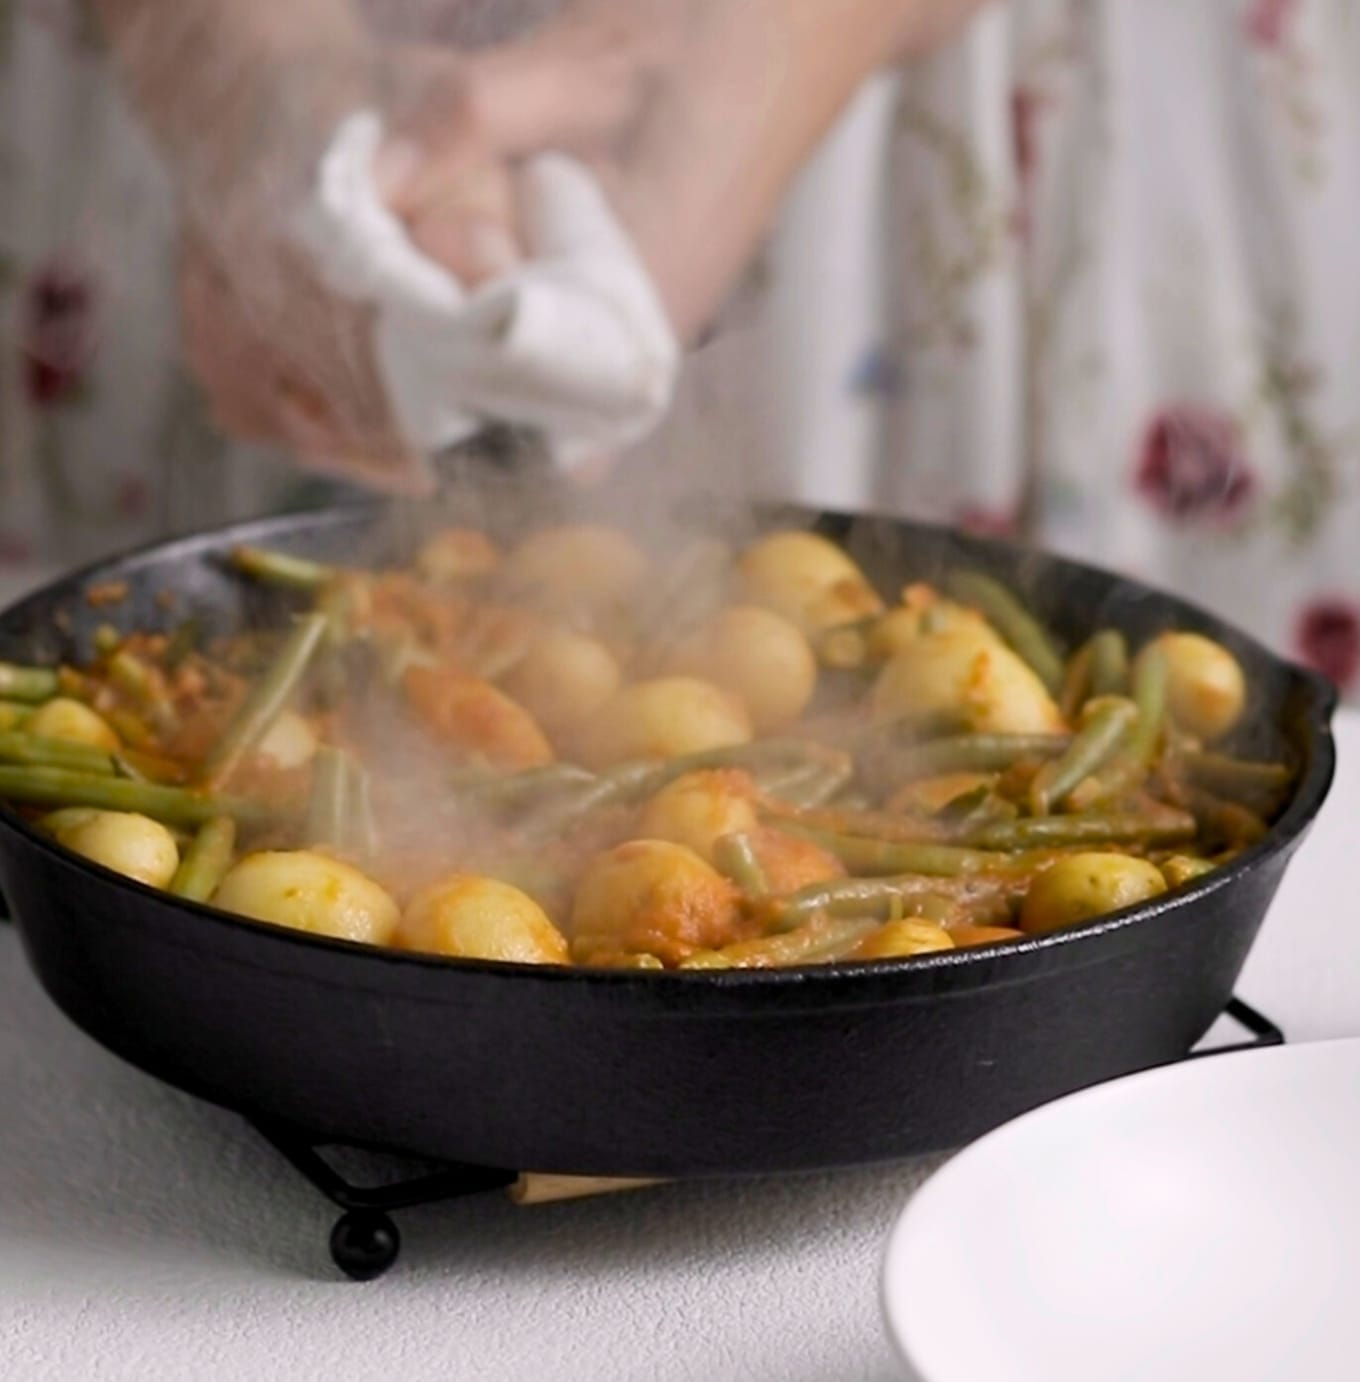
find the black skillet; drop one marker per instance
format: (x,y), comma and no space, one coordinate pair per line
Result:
(626,1073)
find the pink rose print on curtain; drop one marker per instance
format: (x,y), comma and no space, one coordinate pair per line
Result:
(979,520)
(1268,20)
(1327,638)
(1192,466)
(57,333)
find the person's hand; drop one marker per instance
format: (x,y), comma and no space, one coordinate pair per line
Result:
(282,361)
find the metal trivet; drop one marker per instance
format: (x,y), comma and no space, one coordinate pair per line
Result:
(365,1241)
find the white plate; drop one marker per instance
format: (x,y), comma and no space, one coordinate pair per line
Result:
(1197,1222)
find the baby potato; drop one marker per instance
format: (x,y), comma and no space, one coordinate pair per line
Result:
(290,742)
(130,844)
(652,897)
(481,919)
(564,679)
(964,936)
(1206,689)
(664,718)
(455,554)
(897,940)
(309,891)
(1081,887)
(758,655)
(964,668)
(581,566)
(472,716)
(808,579)
(74,722)
(790,863)
(924,610)
(698,809)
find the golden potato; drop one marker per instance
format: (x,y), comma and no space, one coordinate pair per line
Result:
(652,897)
(579,566)
(924,610)
(290,743)
(74,722)
(474,717)
(564,679)
(963,668)
(808,579)
(123,841)
(309,891)
(698,809)
(1206,689)
(790,863)
(481,919)
(964,936)
(897,940)
(664,718)
(758,655)
(455,554)
(1081,887)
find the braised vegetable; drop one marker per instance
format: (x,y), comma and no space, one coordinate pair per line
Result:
(566,748)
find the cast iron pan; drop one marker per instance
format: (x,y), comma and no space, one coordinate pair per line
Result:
(627,1073)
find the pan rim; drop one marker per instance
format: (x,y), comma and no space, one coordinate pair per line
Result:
(992,966)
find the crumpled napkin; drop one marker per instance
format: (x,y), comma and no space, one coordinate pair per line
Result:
(574,342)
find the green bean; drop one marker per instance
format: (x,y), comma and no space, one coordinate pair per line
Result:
(1132,764)
(268,699)
(183,642)
(1164,826)
(914,728)
(1226,822)
(33,685)
(328,809)
(1107,723)
(363,843)
(1239,779)
(618,787)
(1076,685)
(281,569)
(877,898)
(817,786)
(968,753)
(13,715)
(736,858)
(875,857)
(1109,663)
(1012,621)
(206,861)
(752,756)
(819,939)
(17,747)
(175,806)
(142,683)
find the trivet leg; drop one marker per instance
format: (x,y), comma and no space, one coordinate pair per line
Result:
(364,1244)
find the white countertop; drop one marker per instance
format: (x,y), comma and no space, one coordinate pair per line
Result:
(146,1236)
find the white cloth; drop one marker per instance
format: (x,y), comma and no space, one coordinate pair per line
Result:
(574,342)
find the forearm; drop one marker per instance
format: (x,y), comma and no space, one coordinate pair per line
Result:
(761,84)
(217,79)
